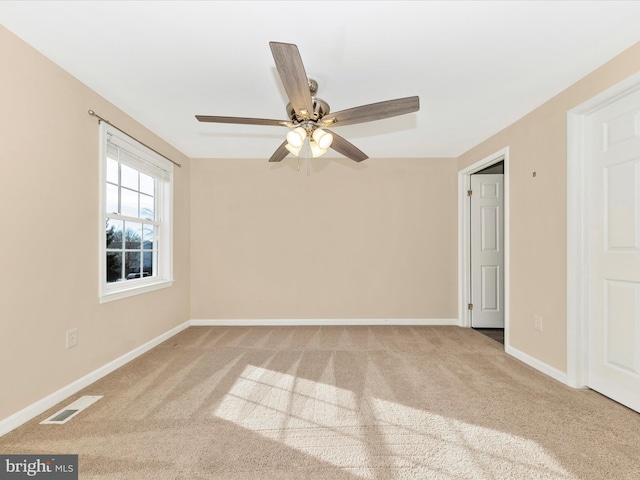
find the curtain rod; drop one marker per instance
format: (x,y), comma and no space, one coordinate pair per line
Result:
(94,114)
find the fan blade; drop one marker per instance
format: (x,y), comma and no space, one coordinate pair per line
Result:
(243,121)
(371,112)
(346,148)
(293,77)
(280,153)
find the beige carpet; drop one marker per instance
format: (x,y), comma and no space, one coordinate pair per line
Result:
(338,403)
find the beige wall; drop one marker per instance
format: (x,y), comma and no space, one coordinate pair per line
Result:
(370,240)
(538,233)
(50,233)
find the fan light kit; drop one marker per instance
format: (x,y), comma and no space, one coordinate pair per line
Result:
(309,115)
(319,141)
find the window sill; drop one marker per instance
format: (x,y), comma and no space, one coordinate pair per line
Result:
(134,290)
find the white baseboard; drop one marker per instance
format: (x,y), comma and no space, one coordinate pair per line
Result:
(537,364)
(233,322)
(44,404)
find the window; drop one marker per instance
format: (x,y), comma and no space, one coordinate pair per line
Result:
(135,228)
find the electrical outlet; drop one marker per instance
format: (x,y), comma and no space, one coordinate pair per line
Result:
(537,323)
(72,338)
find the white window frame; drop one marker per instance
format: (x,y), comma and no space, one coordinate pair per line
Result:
(164,217)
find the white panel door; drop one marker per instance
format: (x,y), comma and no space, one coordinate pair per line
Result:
(487,251)
(614,279)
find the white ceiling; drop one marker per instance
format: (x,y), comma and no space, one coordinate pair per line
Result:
(477,66)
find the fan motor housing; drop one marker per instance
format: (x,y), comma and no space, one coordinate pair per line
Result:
(320,109)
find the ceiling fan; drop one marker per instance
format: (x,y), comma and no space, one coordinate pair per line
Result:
(309,116)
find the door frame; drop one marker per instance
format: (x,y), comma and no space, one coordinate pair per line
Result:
(464,232)
(578,240)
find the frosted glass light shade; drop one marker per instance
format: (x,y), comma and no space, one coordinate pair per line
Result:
(294,150)
(322,138)
(316,151)
(296,137)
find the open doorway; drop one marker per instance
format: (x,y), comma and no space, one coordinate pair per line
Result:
(483,246)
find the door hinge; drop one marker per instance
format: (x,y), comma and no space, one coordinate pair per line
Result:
(470,306)
(469,192)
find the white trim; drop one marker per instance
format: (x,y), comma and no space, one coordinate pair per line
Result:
(44,404)
(232,322)
(537,364)
(163,173)
(137,290)
(578,229)
(464,184)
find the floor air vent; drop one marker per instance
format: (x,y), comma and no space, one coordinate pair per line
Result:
(71,410)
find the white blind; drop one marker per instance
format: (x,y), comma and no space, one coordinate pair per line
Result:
(126,150)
